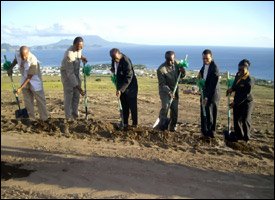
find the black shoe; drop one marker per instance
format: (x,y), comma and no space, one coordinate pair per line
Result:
(226,135)
(125,127)
(211,134)
(26,121)
(173,128)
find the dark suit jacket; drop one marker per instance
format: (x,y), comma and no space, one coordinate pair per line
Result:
(212,87)
(126,78)
(167,78)
(242,90)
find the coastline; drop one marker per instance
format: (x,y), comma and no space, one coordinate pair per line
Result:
(140,70)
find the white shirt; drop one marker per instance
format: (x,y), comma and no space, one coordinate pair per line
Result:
(116,66)
(205,72)
(35,82)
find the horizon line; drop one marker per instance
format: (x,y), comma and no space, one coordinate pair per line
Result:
(135,44)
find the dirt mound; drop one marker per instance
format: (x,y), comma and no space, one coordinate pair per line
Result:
(187,138)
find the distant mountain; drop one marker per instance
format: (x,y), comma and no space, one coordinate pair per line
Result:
(7,47)
(90,41)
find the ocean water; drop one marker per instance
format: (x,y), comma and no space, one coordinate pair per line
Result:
(227,58)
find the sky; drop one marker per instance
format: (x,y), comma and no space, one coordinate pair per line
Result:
(247,24)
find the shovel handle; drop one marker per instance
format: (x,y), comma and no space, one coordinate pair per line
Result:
(13,86)
(85,96)
(17,101)
(14,92)
(228,106)
(176,87)
(203,107)
(120,111)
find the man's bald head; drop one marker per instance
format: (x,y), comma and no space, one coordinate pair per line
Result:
(24,52)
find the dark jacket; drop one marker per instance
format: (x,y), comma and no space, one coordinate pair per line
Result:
(211,89)
(242,90)
(167,78)
(126,78)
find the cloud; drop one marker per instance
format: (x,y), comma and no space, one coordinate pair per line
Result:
(264,39)
(14,32)
(121,27)
(132,32)
(66,29)
(54,30)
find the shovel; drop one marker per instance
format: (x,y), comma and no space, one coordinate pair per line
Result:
(86,72)
(20,113)
(121,124)
(121,114)
(227,133)
(201,84)
(228,105)
(85,97)
(162,124)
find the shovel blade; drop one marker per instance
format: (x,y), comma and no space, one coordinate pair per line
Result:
(121,122)
(162,124)
(229,136)
(21,113)
(156,123)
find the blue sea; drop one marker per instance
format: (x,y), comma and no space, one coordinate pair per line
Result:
(227,58)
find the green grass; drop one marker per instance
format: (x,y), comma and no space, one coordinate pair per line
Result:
(145,85)
(53,83)
(263,92)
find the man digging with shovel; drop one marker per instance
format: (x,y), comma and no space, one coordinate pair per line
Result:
(31,83)
(168,74)
(71,81)
(126,86)
(210,93)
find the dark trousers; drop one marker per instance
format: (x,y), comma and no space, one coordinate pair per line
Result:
(208,123)
(242,120)
(129,103)
(165,98)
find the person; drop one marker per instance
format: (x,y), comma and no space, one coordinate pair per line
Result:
(243,102)
(211,92)
(167,74)
(127,86)
(70,78)
(31,82)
